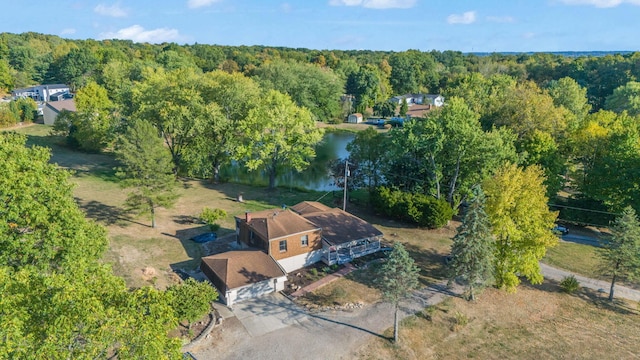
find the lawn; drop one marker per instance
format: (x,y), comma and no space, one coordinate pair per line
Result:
(534,323)
(577,258)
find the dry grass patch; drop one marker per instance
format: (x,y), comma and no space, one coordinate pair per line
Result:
(534,323)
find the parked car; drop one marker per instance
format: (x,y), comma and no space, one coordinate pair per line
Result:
(559,229)
(206,237)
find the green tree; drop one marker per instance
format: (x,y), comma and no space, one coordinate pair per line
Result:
(367,150)
(229,98)
(191,300)
(398,277)
(6,80)
(625,98)
(568,93)
(146,168)
(173,103)
(315,88)
(521,222)
(50,232)
(93,122)
(404,107)
(384,109)
(621,251)
(210,216)
(278,135)
(473,245)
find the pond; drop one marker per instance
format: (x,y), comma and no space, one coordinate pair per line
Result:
(315,177)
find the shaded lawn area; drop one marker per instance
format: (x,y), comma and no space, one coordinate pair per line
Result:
(534,323)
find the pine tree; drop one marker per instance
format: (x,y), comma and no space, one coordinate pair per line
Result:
(473,245)
(147,169)
(621,253)
(398,278)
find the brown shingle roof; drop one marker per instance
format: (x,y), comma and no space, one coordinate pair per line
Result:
(242,267)
(339,227)
(276,223)
(308,207)
(58,106)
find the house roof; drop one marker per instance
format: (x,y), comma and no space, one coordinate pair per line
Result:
(58,106)
(307,207)
(339,227)
(277,223)
(243,267)
(356,115)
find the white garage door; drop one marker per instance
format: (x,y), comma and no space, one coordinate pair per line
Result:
(255,290)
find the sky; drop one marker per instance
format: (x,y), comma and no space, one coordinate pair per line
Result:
(389,25)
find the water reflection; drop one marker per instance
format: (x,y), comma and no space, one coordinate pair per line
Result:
(315,177)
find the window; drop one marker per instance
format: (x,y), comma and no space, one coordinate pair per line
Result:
(283,245)
(304,240)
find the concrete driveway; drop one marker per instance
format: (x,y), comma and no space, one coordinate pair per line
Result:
(268,313)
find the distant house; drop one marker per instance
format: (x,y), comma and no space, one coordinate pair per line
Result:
(355,118)
(419,99)
(51,110)
(434,100)
(243,274)
(41,92)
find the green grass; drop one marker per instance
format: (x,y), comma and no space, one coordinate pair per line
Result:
(578,258)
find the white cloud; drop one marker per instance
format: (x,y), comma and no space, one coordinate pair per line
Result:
(114,10)
(194,4)
(375,4)
(501,19)
(68,31)
(528,35)
(466,18)
(601,3)
(138,34)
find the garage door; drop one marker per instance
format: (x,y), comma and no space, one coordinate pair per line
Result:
(255,290)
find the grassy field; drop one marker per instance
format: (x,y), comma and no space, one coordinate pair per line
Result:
(578,258)
(534,323)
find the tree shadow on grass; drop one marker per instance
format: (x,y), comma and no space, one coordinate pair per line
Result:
(430,262)
(106,214)
(596,297)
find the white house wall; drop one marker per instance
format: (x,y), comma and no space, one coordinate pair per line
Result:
(299,261)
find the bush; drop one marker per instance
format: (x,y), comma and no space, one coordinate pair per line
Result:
(569,284)
(417,208)
(210,216)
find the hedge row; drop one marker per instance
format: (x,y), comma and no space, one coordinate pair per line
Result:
(416,208)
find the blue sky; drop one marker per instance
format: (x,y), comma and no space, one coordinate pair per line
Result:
(463,25)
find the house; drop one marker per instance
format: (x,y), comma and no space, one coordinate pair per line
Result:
(344,236)
(355,118)
(290,239)
(51,110)
(419,99)
(243,274)
(275,242)
(307,233)
(41,92)
(434,100)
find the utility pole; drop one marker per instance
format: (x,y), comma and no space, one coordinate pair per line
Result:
(346,174)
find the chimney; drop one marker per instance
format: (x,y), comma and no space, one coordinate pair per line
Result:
(247,216)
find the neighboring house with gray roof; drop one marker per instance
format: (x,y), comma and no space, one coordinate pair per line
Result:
(41,92)
(52,109)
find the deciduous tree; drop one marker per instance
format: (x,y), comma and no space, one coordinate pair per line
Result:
(521,222)
(278,135)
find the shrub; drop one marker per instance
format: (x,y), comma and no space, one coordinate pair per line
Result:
(417,208)
(210,216)
(569,284)
(313,272)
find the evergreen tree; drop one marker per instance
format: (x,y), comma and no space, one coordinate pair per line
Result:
(404,107)
(147,168)
(398,277)
(621,253)
(473,246)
